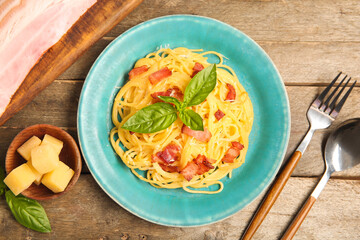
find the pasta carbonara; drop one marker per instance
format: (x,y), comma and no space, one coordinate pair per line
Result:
(178,157)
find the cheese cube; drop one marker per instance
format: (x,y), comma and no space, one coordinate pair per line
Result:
(58,179)
(25,149)
(56,143)
(44,158)
(19,179)
(38,175)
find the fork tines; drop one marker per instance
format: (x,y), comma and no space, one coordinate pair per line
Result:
(333,108)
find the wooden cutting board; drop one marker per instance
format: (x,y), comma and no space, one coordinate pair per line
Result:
(91,26)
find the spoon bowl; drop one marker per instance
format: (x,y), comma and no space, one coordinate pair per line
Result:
(342,150)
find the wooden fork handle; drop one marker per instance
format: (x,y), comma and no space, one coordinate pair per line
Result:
(296,223)
(272,195)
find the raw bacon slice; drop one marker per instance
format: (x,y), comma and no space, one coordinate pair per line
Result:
(189,170)
(233,152)
(219,114)
(156,77)
(203,136)
(137,71)
(27,30)
(171,92)
(231,95)
(197,68)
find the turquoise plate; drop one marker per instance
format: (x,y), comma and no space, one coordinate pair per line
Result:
(268,139)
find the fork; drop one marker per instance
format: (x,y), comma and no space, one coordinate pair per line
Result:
(321,114)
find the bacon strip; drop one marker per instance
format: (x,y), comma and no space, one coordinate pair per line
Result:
(169,168)
(28,29)
(233,152)
(197,68)
(171,92)
(189,170)
(197,166)
(169,155)
(204,164)
(137,71)
(237,145)
(231,95)
(219,114)
(157,76)
(203,136)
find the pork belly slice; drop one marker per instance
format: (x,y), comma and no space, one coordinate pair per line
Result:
(27,30)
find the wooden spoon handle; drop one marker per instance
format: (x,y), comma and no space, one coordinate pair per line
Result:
(272,195)
(296,223)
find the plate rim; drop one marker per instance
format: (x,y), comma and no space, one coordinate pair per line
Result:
(287,136)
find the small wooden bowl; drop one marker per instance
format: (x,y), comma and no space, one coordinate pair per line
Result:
(70,155)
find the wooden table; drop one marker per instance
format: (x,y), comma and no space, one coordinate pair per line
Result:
(309,41)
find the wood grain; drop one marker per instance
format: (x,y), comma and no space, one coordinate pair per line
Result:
(299,63)
(90,27)
(300,217)
(86,212)
(309,41)
(265,20)
(57,105)
(272,195)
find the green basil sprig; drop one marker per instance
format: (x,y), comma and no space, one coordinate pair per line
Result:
(160,116)
(152,118)
(27,212)
(191,119)
(200,86)
(172,100)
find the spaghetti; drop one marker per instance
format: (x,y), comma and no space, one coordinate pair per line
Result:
(234,125)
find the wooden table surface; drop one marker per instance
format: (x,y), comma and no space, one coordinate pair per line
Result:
(309,41)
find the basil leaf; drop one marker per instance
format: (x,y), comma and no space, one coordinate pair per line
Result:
(153,118)
(2,184)
(200,86)
(28,212)
(192,120)
(172,100)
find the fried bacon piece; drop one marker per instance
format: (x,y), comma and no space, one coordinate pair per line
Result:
(233,152)
(137,71)
(165,158)
(169,168)
(197,68)
(189,170)
(157,76)
(231,95)
(219,114)
(204,164)
(203,136)
(170,154)
(171,92)
(237,145)
(197,166)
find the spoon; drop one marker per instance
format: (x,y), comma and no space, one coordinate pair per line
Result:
(342,151)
